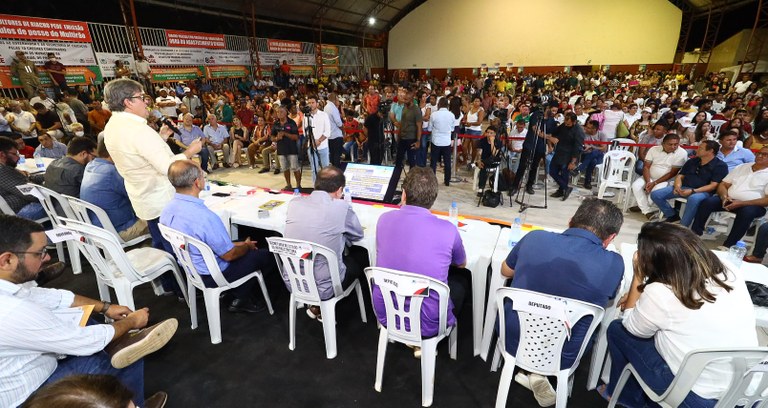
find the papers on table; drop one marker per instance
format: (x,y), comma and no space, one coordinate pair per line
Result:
(74,316)
(271,205)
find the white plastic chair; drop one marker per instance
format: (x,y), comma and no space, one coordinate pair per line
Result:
(617,171)
(82,210)
(541,340)
(621,144)
(716,125)
(395,285)
(56,206)
(116,268)
(295,258)
(741,390)
(181,244)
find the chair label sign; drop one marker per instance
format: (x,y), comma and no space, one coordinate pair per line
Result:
(57,235)
(407,286)
(301,250)
(543,306)
(761,367)
(30,189)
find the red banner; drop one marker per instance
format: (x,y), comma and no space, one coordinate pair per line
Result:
(32,28)
(192,39)
(284,46)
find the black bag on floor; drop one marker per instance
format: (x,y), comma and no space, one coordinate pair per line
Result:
(491,199)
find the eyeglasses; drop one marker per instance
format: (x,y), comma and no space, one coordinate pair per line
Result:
(41,254)
(142,97)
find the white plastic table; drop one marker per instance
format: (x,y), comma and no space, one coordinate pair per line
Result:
(30,167)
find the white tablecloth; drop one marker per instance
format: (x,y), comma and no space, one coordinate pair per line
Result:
(30,167)
(242,208)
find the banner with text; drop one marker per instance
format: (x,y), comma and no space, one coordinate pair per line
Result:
(284,46)
(75,76)
(68,53)
(107,60)
(226,57)
(176,74)
(191,39)
(267,59)
(226,71)
(159,56)
(32,28)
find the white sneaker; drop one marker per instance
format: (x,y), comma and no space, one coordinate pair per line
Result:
(542,390)
(522,379)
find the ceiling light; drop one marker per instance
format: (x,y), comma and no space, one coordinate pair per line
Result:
(371,21)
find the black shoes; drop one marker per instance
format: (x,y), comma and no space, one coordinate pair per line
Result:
(530,190)
(588,186)
(264,170)
(557,194)
(672,219)
(567,193)
(245,306)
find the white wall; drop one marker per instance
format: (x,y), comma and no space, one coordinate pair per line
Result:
(468,33)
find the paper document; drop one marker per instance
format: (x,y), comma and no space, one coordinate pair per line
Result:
(74,316)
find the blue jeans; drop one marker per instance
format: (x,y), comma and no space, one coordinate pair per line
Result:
(132,376)
(32,211)
(661,196)
(562,176)
(325,160)
(421,154)
(588,163)
(744,217)
(204,158)
(625,348)
(547,161)
(353,152)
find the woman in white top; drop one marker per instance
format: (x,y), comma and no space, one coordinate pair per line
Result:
(612,117)
(473,123)
(683,298)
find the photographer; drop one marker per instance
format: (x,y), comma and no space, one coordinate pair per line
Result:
(285,133)
(320,125)
(541,126)
(373,128)
(490,156)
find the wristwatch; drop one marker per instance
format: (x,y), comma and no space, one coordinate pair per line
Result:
(105,307)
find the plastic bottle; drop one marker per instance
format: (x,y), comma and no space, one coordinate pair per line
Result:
(453,213)
(736,253)
(39,163)
(515,233)
(22,160)
(348,195)
(296,192)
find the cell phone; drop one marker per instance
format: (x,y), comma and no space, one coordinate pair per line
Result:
(220,195)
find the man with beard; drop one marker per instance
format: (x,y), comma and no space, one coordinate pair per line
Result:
(26,206)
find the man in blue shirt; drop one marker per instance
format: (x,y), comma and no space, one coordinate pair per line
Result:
(574,264)
(731,153)
(188,133)
(217,138)
(187,213)
(50,148)
(104,187)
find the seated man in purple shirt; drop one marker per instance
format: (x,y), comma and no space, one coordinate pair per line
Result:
(413,240)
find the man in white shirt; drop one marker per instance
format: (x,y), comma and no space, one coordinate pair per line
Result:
(43,98)
(140,154)
(166,104)
(441,123)
(321,132)
(34,335)
(742,86)
(217,138)
(336,139)
(662,163)
(23,122)
(581,116)
(744,192)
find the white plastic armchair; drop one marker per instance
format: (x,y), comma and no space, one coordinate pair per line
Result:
(82,210)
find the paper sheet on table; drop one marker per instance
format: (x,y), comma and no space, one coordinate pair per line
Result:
(213,201)
(271,205)
(74,316)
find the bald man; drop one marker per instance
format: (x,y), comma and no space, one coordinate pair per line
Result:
(217,138)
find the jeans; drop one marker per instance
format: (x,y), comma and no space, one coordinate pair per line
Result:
(335,147)
(560,173)
(548,162)
(353,152)
(204,158)
(403,149)
(588,163)
(444,153)
(132,377)
(32,211)
(421,154)
(661,196)
(761,241)
(313,161)
(625,348)
(744,217)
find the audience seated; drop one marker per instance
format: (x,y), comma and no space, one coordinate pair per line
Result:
(104,187)
(65,175)
(188,133)
(683,298)
(48,121)
(23,205)
(662,163)
(592,154)
(216,138)
(24,150)
(188,214)
(325,219)
(697,180)
(32,336)
(574,264)
(98,118)
(414,240)
(731,153)
(50,148)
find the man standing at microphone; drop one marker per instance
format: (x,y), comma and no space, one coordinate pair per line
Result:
(141,154)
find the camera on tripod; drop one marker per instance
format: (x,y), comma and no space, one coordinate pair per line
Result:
(384,106)
(305,109)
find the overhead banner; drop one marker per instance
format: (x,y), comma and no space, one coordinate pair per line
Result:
(159,56)
(283,46)
(192,39)
(330,54)
(32,28)
(176,74)
(267,59)
(227,71)
(75,76)
(226,57)
(107,60)
(69,54)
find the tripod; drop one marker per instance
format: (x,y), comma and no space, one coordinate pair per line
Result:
(522,197)
(308,133)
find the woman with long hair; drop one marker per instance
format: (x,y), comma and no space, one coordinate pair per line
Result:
(259,140)
(703,132)
(683,298)
(239,136)
(641,125)
(473,123)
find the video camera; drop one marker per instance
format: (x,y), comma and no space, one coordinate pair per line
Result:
(305,109)
(384,106)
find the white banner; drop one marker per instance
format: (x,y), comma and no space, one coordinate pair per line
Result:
(107,60)
(161,56)
(269,58)
(69,53)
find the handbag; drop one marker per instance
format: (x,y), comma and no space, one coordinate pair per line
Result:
(758,293)
(621,130)
(491,198)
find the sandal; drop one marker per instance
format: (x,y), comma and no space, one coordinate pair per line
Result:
(314,313)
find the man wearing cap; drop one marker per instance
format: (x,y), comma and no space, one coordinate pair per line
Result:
(191,100)
(26,71)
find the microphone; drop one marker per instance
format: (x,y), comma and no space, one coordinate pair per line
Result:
(167,122)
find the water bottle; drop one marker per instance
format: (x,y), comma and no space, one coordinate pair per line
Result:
(736,253)
(39,163)
(453,213)
(296,192)
(515,233)
(22,160)
(207,186)
(347,195)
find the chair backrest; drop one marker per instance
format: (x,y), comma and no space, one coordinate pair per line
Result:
(5,208)
(403,294)
(621,144)
(618,166)
(182,245)
(83,210)
(296,259)
(102,250)
(716,125)
(54,204)
(750,379)
(543,331)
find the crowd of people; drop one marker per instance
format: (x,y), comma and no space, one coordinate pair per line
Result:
(144,160)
